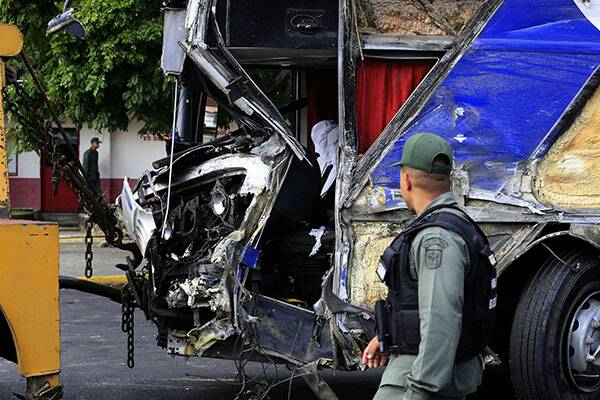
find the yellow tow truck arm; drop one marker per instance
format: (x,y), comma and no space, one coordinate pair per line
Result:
(29,302)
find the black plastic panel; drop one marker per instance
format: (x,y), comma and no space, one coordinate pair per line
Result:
(286,24)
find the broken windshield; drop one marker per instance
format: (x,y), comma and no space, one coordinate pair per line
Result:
(222,78)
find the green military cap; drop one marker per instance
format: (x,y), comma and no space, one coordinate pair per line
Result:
(421,149)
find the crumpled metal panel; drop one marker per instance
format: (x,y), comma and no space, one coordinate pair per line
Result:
(502,102)
(291,332)
(228,76)
(138,221)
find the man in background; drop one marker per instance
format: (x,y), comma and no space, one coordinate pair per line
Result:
(90,164)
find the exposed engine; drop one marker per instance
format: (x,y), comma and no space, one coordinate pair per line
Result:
(220,233)
(218,223)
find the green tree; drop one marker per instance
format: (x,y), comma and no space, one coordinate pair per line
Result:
(110,77)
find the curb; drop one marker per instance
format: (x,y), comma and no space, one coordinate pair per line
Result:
(70,239)
(116,281)
(79,239)
(99,240)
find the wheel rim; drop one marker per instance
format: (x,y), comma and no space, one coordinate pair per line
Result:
(583,357)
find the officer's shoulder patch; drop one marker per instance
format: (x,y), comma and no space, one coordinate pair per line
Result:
(434,246)
(434,242)
(433,257)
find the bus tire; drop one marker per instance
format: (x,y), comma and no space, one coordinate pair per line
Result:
(546,357)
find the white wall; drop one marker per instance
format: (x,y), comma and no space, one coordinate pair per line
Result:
(131,154)
(28,165)
(123,153)
(120,154)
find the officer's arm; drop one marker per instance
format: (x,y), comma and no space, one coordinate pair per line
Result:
(85,163)
(440,259)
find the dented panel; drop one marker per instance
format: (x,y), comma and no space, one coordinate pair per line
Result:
(504,100)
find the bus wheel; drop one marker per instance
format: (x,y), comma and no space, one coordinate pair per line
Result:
(555,338)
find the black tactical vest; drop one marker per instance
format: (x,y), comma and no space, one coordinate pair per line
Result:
(479,289)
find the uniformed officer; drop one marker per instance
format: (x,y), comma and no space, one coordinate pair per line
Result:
(438,261)
(90,164)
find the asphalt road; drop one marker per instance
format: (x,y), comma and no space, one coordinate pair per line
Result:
(94,357)
(94,363)
(72,258)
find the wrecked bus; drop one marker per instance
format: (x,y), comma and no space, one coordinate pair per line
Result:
(261,239)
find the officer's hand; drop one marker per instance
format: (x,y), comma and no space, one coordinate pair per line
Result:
(372,357)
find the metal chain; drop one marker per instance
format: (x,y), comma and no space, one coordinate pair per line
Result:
(130,341)
(89,240)
(127,324)
(124,309)
(30,115)
(55,170)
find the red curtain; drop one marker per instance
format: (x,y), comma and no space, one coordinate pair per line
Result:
(382,86)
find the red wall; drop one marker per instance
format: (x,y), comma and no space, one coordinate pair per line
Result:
(113,187)
(27,192)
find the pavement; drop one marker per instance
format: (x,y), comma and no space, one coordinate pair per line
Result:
(72,258)
(94,363)
(94,355)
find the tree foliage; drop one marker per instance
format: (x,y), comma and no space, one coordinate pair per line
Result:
(107,79)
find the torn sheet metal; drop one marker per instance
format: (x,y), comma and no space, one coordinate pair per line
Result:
(289,332)
(256,173)
(383,198)
(193,292)
(270,148)
(138,221)
(178,344)
(502,102)
(209,334)
(227,75)
(569,173)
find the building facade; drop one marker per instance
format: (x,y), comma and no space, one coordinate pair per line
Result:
(121,154)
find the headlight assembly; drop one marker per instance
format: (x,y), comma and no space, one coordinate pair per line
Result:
(219,202)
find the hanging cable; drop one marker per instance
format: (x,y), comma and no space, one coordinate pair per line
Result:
(166,213)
